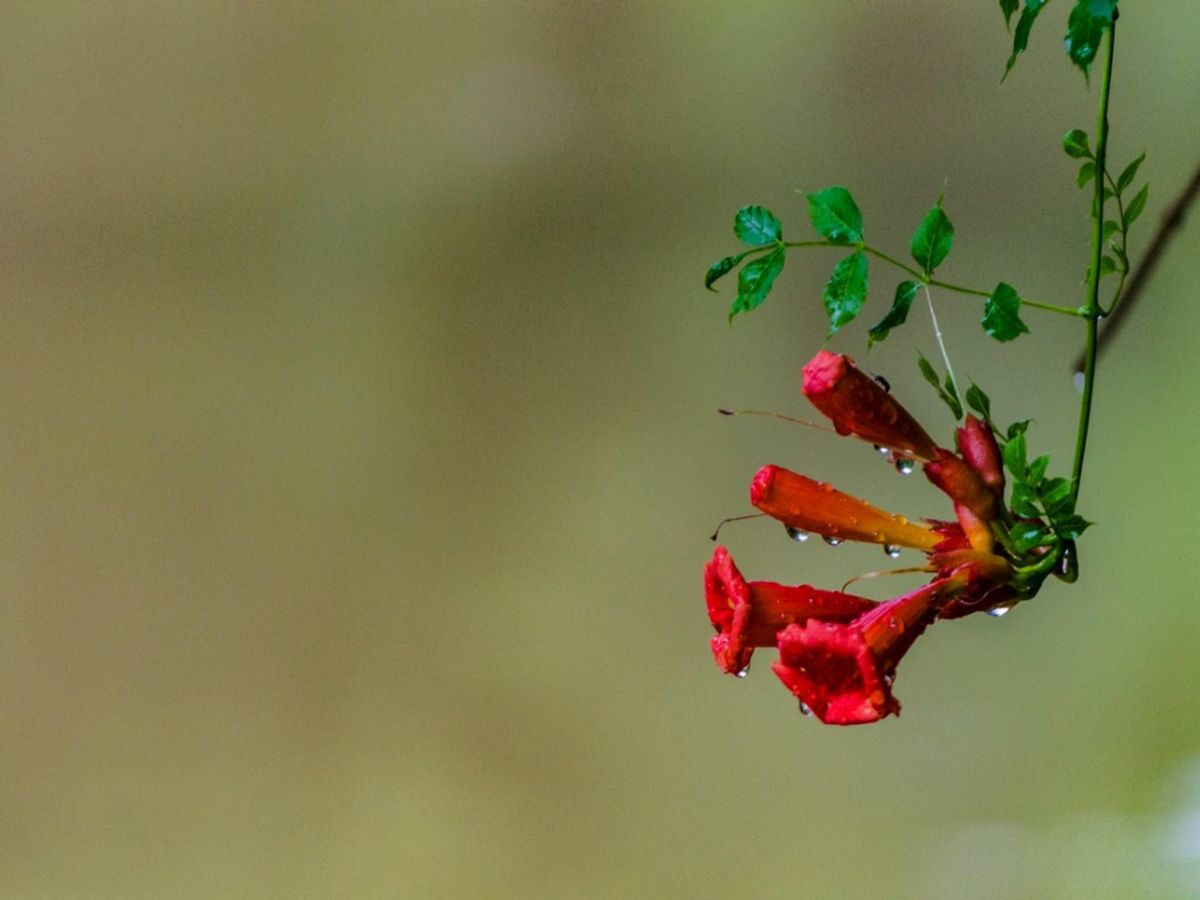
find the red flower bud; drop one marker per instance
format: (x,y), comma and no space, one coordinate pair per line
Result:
(857,404)
(749,614)
(978,447)
(809,505)
(963,485)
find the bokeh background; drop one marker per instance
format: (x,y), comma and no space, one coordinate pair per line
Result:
(358,454)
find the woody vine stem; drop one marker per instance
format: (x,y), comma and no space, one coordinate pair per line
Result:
(1092,311)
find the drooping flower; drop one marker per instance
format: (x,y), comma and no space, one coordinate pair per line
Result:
(749,614)
(843,673)
(839,652)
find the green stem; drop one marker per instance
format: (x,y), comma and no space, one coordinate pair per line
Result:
(932,282)
(1092,311)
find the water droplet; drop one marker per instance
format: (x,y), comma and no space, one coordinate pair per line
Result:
(905,464)
(882,450)
(826,487)
(883,383)
(742,673)
(892,550)
(998,611)
(833,541)
(796,534)
(805,710)
(1068,565)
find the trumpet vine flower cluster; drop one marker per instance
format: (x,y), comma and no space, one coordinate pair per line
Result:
(838,652)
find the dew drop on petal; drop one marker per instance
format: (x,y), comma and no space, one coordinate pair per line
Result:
(892,550)
(742,673)
(833,541)
(796,534)
(805,710)
(883,383)
(998,611)
(905,464)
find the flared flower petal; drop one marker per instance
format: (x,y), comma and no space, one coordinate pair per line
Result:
(749,614)
(808,505)
(857,404)
(843,673)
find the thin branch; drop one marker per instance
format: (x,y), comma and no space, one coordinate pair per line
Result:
(1172,219)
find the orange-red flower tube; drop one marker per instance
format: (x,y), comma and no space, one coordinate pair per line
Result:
(809,505)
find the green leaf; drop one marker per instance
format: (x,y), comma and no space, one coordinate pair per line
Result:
(1008,7)
(1023,501)
(1136,205)
(1086,173)
(1027,535)
(1056,495)
(1069,526)
(755,281)
(1016,429)
(930,374)
(1001,314)
(1086,25)
(835,215)
(756,225)
(896,316)
(846,291)
(721,268)
(1075,142)
(1021,35)
(979,401)
(952,393)
(1107,265)
(1110,228)
(1037,468)
(933,239)
(1125,179)
(1014,457)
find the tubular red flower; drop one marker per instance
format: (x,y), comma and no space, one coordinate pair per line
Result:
(749,614)
(809,505)
(979,448)
(857,404)
(843,673)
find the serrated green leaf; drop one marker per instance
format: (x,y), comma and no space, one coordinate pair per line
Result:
(1021,34)
(1075,143)
(932,240)
(755,281)
(756,225)
(897,315)
(835,215)
(846,291)
(1001,314)
(1023,501)
(1008,7)
(979,401)
(1136,205)
(1086,173)
(1085,27)
(1014,457)
(1069,526)
(930,374)
(1125,179)
(721,268)
(1056,495)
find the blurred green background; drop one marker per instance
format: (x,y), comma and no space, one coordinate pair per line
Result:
(358,454)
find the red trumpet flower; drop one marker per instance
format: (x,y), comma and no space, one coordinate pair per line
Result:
(839,652)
